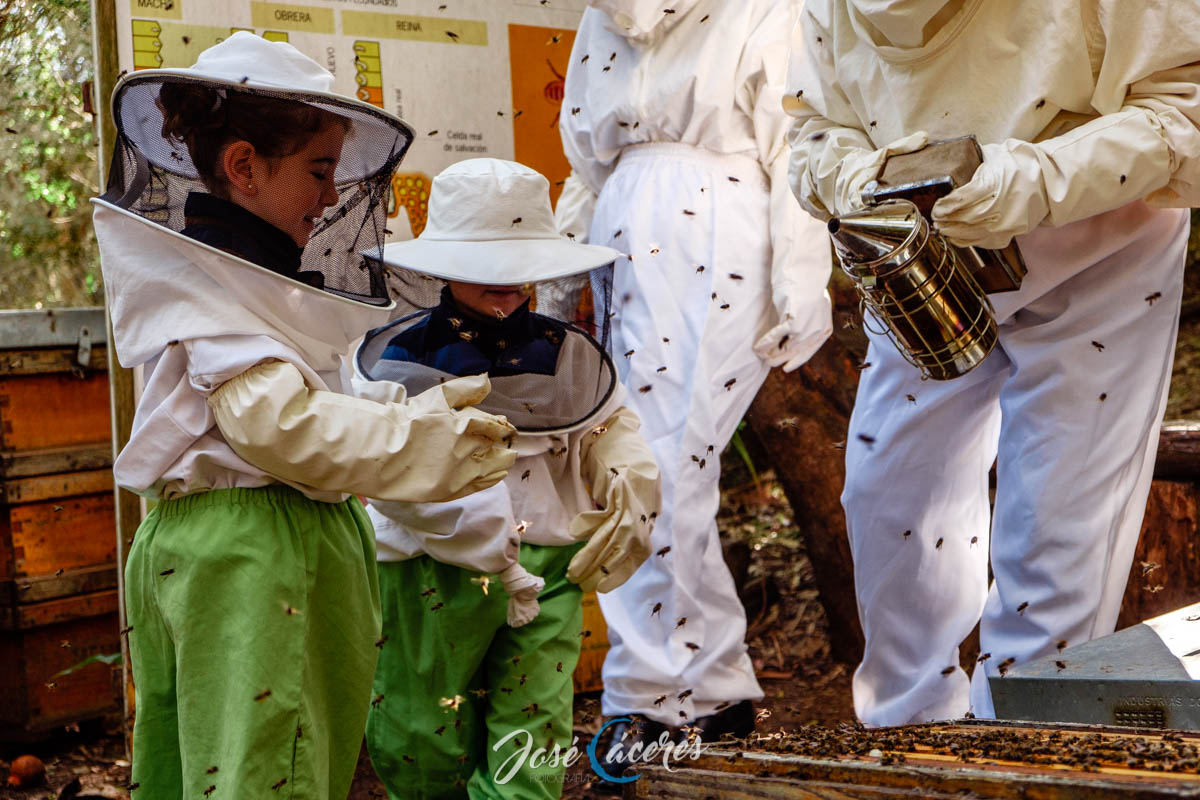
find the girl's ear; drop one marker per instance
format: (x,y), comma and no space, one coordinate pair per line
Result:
(237,161)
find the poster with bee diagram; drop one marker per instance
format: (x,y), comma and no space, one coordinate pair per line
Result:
(473,77)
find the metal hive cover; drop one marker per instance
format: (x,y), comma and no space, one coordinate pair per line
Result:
(1142,676)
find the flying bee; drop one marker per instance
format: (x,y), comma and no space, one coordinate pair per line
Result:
(683,715)
(453,36)
(696,458)
(440,731)
(482,582)
(839,445)
(1148,567)
(1062,645)
(291,612)
(584,60)
(684,695)
(657,608)
(663,551)
(724,306)
(613,57)
(729,383)
(947,671)
(702,21)
(599,430)
(653,251)
(666,340)
(455,322)
(938,545)
(691,646)
(1098,345)
(1103,396)
(523,678)
(211,770)
(606,68)
(451,703)
(429,592)
(983,657)
(381,641)
(525,474)
(558,667)
(699,269)
(735,277)
(1150,298)
(516,660)
(661,370)
(1154,589)
(1005,664)
(166,573)
(614,471)
(628,353)
(1060,664)
(907,534)
(703,461)
(644,389)
(432,132)
(658,701)
(279,784)
(687,213)
(912,398)
(521,526)
(1021,608)
(974,541)
(467,336)
(263,695)
(762,714)
(679,623)
(584,634)
(437,606)
(530,407)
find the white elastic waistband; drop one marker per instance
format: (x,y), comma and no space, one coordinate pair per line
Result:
(744,167)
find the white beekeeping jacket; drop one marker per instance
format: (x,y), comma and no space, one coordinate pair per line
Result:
(705,73)
(197,317)
(866,72)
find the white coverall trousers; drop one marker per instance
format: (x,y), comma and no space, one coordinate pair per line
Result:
(1069,404)
(688,308)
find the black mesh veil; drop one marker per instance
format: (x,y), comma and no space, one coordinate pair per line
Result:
(547,361)
(153,175)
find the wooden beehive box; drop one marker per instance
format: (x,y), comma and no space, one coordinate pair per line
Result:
(58,571)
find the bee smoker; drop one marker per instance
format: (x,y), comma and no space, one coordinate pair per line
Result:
(918,285)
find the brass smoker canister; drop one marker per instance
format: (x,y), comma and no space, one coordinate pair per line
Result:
(917,284)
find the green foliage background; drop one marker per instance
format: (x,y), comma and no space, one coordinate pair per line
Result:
(48,169)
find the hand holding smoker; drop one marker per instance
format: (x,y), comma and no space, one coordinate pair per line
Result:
(931,294)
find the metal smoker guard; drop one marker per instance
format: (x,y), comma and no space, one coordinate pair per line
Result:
(916,283)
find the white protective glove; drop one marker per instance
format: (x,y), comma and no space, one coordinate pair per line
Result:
(523,590)
(620,469)
(423,450)
(829,182)
(1104,164)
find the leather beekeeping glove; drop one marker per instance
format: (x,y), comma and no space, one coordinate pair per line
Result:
(1104,164)
(423,450)
(620,469)
(829,181)
(523,589)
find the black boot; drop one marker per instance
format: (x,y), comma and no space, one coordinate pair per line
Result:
(624,735)
(737,721)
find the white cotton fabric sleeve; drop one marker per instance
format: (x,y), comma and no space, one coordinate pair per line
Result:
(800,254)
(420,451)
(476,533)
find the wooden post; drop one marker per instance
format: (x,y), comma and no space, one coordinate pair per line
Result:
(120,381)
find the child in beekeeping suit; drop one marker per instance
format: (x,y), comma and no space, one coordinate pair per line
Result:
(482,595)
(242,196)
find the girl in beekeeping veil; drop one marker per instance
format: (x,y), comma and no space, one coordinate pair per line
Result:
(673,126)
(243,196)
(1088,116)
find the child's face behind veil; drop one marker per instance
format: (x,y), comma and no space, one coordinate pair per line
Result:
(290,192)
(487,300)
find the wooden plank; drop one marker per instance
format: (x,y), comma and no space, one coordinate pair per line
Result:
(593,649)
(51,361)
(1178,451)
(61,584)
(34,698)
(63,609)
(40,411)
(64,534)
(49,487)
(55,459)
(40,362)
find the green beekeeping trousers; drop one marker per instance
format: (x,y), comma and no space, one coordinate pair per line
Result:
(254,615)
(444,639)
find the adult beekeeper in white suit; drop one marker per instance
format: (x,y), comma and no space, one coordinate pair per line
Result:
(673,126)
(1087,114)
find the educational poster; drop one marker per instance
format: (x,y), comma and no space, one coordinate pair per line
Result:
(473,77)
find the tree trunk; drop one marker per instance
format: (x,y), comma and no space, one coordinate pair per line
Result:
(800,419)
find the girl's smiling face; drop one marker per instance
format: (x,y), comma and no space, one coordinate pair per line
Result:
(487,300)
(291,192)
